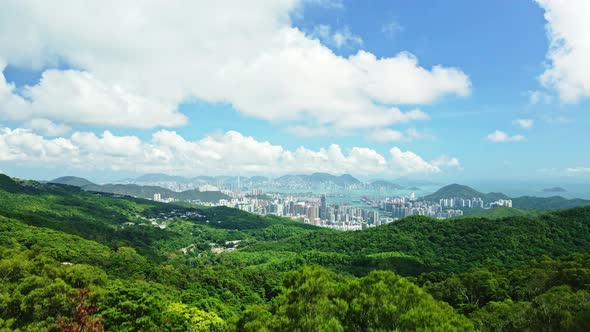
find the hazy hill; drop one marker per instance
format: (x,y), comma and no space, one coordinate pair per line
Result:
(553,202)
(524,202)
(384,184)
(140,191)
(461,191)
(318,178)
(157,177)
(554,190)
(73,181)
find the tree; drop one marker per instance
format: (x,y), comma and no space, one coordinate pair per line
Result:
(83,316)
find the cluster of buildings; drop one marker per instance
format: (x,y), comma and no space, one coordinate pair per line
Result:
(458,202)
(501,203)
(308,209)
(400,207)
(314,209)
(158,198)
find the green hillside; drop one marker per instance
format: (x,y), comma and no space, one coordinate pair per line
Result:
(77,260)
(147,192)
(501,212)
(554,202)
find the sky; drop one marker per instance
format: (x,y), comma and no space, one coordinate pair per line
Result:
(455,90)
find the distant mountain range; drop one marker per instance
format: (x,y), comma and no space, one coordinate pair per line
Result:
(293,181)
(171,181)
(315,179)
(141,191)
(523,202)
(182,188)
(387,185)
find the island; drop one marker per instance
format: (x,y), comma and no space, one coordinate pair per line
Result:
(554,190)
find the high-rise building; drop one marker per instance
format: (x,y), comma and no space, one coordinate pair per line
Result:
(323,207)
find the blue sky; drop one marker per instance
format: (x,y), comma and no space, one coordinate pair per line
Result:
(499,48)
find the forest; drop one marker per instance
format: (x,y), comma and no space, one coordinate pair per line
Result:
(72,260)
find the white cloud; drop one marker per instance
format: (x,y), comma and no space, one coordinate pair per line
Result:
(222,153)
(78,97)
(446,161)
(409,162)
(391,135)
(501,137)
(47,128)
(386,135)
(578,170)
(383,82)
(568,30)
(137,63)
(332,4)
(340,38)
(306,131)
(539,97)
(12,106)
(524,123)
(24,145)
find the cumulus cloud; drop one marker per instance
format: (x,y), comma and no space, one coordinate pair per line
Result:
(409,162)
(524,123)
(391,135)
(24,145)
(12,106)
(307,131)
(78,97)
(568,30)
(502,137)
(140,60)
(539,97)
(338,38)
(419,86)
(221,153)
(47,128)
(446,161)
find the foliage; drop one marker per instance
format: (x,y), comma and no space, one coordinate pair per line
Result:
(71,259)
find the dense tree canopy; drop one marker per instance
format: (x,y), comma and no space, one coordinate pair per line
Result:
(72,260)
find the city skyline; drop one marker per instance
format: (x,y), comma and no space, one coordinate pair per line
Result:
(457,92)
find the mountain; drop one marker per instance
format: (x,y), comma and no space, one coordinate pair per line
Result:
(316,179)
(342,180)
(101,262)
(156,177)
(553,202)
(140,191)
(259,179)
(385,185)
(73,181)
(461,191)
(206,179)
(554,190)
(524,202)
(289,178)
(404,181)
(149,191)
